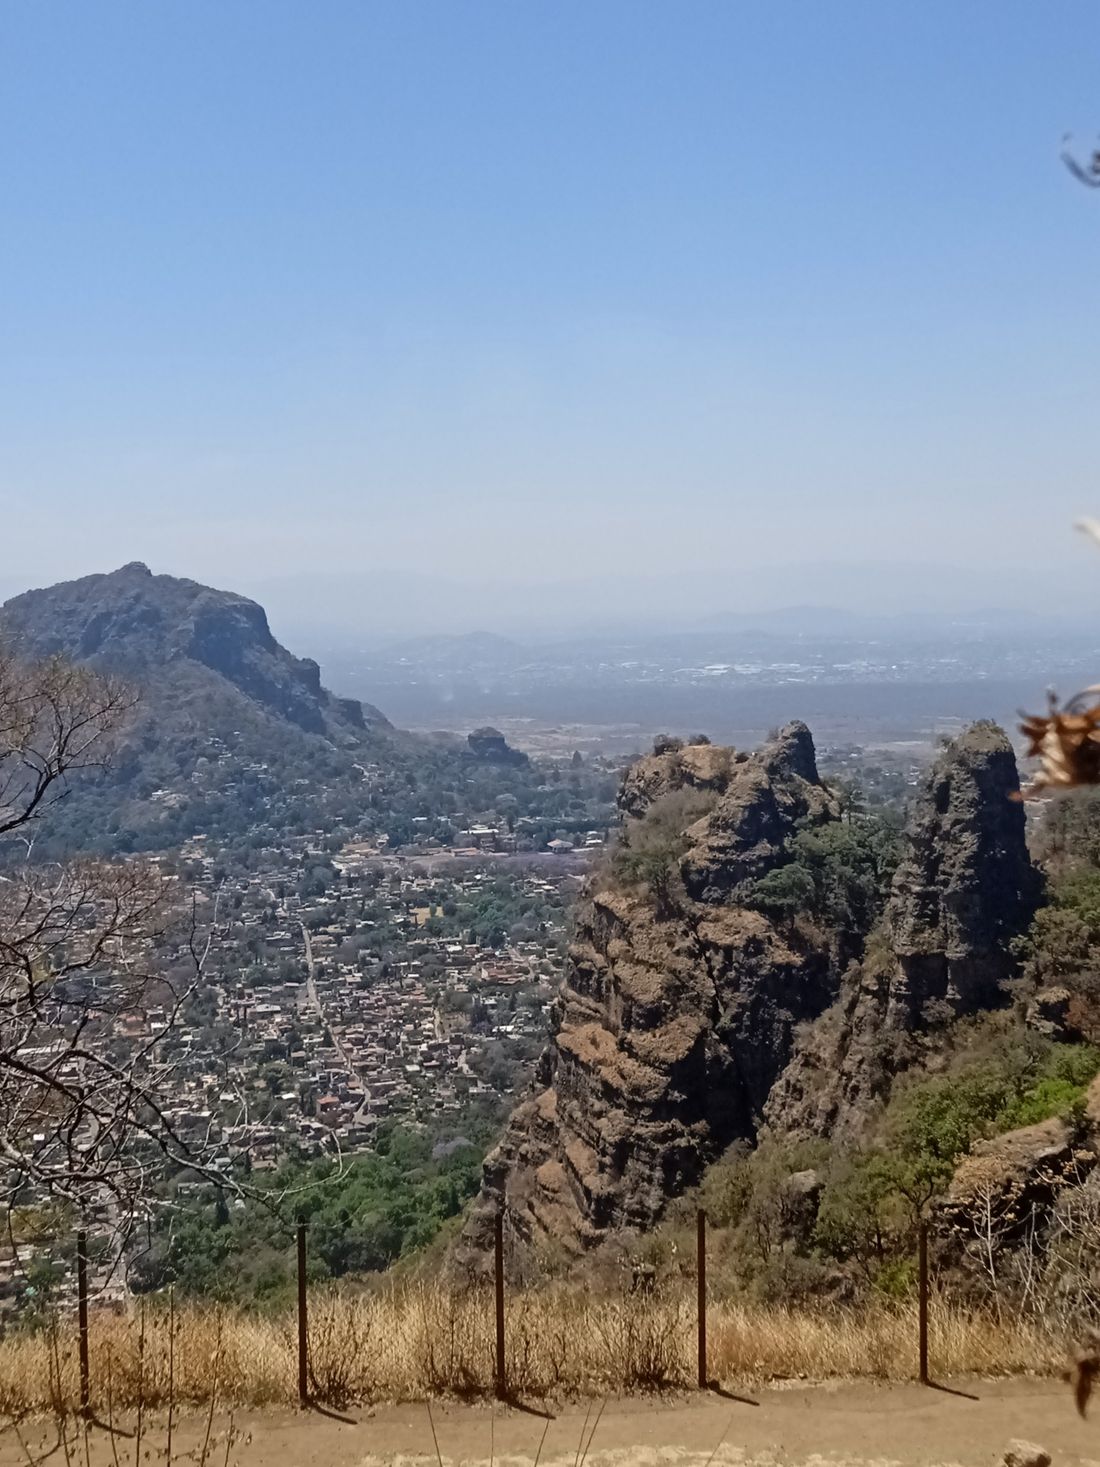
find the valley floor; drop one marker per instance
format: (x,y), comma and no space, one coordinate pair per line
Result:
(840,1425)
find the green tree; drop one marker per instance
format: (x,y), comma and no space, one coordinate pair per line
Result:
(784,892)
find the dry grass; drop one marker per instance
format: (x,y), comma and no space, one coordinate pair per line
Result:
(415,1342)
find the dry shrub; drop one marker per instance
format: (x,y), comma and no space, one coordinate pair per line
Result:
(341,1337)
(878,1342)
(452,1343)
(643,1340)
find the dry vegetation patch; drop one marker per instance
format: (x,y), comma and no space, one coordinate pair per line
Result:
(416,1342)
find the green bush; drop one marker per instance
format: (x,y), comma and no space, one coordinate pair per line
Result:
(837,874)
(897,1278)
(1050,1097)
(871,1201)
(378,1208)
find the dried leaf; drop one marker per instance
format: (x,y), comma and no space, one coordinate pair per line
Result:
(1067,744)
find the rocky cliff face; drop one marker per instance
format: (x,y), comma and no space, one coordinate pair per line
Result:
(964,889)
(675,1031)
(676,1016)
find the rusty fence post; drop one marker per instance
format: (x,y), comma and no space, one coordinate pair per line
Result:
(82,1319)
(303,1321)
(701,1284)
(922,1308)
(501,1379)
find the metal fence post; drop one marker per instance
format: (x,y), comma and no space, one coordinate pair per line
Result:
(922,1262)
(303,1324)
(701,1283)
(501,1381)
(82,1318)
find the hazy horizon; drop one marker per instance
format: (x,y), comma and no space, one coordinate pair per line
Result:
(378,607)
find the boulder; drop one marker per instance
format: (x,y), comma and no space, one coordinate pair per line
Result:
(1025,1454)
(1007,1185)
(490,746)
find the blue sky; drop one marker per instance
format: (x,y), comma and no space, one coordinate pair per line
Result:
(523,293)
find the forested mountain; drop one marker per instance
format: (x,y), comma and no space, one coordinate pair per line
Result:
(231,729)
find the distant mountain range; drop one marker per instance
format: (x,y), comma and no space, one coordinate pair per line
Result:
(377,604)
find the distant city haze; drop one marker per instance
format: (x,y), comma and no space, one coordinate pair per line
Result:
(428,318)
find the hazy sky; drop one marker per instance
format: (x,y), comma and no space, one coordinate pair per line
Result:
(436,292)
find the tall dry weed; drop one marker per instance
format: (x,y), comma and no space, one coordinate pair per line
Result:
(416,1341)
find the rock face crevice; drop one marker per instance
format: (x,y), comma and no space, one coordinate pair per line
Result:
(674,1020)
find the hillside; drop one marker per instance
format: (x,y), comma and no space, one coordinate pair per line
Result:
(229,721)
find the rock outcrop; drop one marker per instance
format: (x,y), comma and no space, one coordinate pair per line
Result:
(689,1019)
(1013,1180)
(964,890)
(675,1018)
(491,747)
(1007,1189)
(675,1030)
(967,887)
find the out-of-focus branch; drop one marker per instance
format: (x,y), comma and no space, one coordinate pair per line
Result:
(1087,173)
(56,719)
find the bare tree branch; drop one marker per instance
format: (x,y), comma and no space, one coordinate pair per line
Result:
(55,719)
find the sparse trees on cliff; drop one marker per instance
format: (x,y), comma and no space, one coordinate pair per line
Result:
(650,849)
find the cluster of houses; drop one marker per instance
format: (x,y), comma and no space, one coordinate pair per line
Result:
(327,1038)
(304,1036)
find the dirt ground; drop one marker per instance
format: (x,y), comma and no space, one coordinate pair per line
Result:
(847,1425)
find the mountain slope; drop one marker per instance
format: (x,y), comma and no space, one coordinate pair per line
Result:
(232,729)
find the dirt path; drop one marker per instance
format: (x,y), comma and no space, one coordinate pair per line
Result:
(855,1425)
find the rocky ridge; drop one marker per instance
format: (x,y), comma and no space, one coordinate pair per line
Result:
(230,729)
(688,1018)
(159,629)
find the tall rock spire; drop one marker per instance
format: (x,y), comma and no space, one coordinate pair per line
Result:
(965,888)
